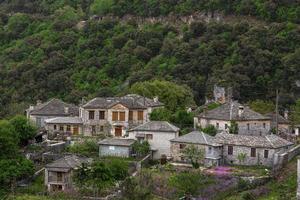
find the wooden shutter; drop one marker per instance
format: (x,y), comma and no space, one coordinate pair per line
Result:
(230,150)
(114,116)
(140,115)
(101,114)
(122,116)
(91,114)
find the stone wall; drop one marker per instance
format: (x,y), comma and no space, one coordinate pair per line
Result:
(119,151)
(212,154)
(281,158)
(257,160)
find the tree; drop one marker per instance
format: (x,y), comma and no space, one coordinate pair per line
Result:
(8,140)
(262,107)
(194,155)
(241,157)
(210,130)
(141,148)
(24,129)
(295,115)
(161,114)
(183,119)
(172,95)
(234,127)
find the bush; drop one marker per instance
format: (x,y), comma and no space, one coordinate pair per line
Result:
(210,130)
(87,148)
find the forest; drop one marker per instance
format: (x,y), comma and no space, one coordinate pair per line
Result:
(58,48)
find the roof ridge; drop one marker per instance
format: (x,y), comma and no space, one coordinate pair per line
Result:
(204,137)
(269,141)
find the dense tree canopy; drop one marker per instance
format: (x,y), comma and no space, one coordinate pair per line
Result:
(46,50)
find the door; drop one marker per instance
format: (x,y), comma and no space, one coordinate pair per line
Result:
(118,131)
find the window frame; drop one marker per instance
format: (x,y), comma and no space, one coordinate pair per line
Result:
(140,115)
(230,150)
(253,152)
(115,116)
(101,115)
(122,116)
(91,114)
(266,153)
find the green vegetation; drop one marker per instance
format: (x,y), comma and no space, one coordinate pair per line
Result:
(262,107)
(189,183)
(44,55)
(100,175)
(141,148)
(194,154)
(88,147)
(13,165)
(210,130)
(234,127)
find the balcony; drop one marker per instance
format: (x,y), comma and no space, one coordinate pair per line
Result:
(58,179)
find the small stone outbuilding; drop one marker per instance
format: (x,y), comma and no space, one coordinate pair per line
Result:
(117,147)
(58,174)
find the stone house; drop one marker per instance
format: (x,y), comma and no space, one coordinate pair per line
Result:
(64,125)
(116,147)
(51,109)
(249,122)
(283,122)
(158,134)
(212,150)
(115,115)
(257,150)
(58,174)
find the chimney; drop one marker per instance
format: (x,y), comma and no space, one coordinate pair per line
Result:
(155,99)
(66,110)
(241,111)
(31,107)
(286,114)
(38,102)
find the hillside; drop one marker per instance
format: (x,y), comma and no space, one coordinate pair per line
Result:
(250,45)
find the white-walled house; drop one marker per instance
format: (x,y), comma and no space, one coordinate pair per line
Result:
(158,134)
(249,122)
(115,115)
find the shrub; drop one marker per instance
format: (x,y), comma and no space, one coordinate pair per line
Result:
(87,148)
(210,130)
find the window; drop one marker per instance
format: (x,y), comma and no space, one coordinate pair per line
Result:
(149,136)
(230,150)
(264,124)
(217,125)
(54,127)
(101,128)
(266,153)
(209,150)
(111,147)
(182,146)
(61,128)
(68,128)
(59,176)
(114,116)
(248,127)
(140,115)
(226,126)
(101,114)
(130,117)
(253,152)
(93,129)
(91,114)
(122,116)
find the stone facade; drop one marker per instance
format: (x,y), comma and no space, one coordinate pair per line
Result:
(71,129)
(57,180)
(108,124)
(249,127)
(212,154)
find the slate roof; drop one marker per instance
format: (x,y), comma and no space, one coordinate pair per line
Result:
(131,101)
(267,141)
(68,162)
(281,119)
(229,111)
(197,137)
(117,142)
(156,126)
(55,107)
(64,120)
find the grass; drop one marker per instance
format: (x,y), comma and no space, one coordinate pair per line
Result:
(242,170)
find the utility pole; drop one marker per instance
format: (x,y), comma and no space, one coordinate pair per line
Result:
(277,98)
